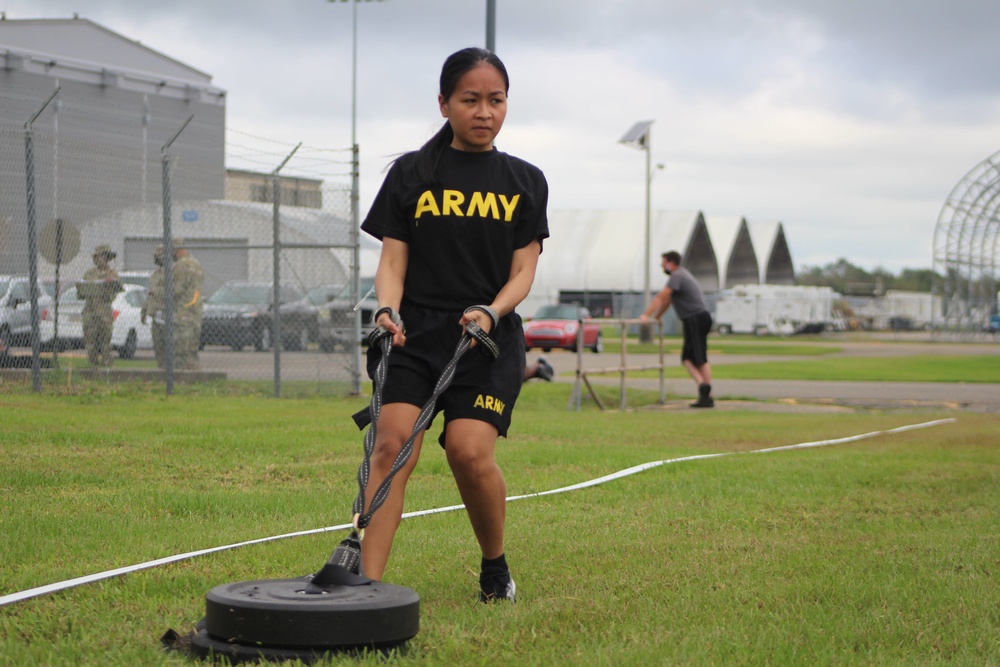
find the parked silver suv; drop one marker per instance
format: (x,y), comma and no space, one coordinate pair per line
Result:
(335,319)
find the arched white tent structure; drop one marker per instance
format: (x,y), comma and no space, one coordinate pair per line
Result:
(773,257)
(600,253)
(735,250)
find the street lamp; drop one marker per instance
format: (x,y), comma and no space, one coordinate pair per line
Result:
(638,137)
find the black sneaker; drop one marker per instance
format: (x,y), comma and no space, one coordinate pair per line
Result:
(704,402)
(545,370)
(497,587)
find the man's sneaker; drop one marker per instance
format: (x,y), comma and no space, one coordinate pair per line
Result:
(545,370)
(496,588)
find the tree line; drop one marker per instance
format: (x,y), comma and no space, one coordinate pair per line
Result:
(851,280)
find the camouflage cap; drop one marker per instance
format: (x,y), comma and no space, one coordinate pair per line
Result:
(158,250)
(105,249)
(177,243)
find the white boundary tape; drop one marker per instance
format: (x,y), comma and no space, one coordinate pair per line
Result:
(91,578)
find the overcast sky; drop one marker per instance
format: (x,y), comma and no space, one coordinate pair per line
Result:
(849,121)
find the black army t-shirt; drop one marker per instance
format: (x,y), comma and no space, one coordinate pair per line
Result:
(462,231)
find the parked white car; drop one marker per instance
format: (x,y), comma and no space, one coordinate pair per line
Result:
(127,335)
(15,310)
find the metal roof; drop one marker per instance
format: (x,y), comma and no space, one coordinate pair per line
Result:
(81,50)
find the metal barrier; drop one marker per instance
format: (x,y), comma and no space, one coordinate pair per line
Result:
(582,374)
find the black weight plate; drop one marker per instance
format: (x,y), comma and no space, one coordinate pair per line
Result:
(279,613)
(203,645)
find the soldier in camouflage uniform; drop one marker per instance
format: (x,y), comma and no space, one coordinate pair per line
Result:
(98,289)
(155,307)
(188,277)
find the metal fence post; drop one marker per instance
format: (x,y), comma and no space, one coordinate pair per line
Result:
(663,384)
(356,269)
(621,362)
(168,264)
(276,334)
(29,159)
(276,278)
(168,280)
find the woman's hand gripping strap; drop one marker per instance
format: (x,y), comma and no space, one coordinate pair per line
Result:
(487,345)
(494,317)
(381,332)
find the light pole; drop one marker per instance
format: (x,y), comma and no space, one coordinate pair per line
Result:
(491,25)
(638,136)
(354,67)
(355,192)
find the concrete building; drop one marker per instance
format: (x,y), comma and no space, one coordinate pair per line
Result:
(231,240)
(97,143)
(254,186)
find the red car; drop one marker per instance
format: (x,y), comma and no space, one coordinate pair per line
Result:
(556,326)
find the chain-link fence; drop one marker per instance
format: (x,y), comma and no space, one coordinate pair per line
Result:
(240,274)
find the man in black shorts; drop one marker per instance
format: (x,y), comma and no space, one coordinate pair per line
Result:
(684,292)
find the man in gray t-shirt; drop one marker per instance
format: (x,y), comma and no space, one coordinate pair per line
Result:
(684,292)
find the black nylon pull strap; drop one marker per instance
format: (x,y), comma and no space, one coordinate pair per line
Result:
(488,346)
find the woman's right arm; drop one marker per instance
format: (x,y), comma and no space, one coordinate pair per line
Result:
(389,277)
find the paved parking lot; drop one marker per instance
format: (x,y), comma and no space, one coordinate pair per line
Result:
(312,365)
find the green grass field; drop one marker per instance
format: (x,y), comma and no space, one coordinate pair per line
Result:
(881,551)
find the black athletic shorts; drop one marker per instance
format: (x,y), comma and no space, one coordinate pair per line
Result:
(483,388)
(696,330)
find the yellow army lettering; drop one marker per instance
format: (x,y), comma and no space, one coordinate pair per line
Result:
(453,203)
(490,403)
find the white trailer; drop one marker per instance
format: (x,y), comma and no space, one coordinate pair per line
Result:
(774,309)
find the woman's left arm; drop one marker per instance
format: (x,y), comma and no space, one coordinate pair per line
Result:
(522,274)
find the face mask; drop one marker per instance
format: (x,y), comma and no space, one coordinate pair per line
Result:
(666,271)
